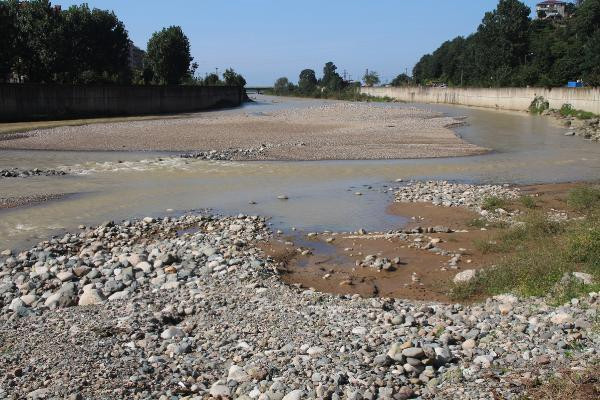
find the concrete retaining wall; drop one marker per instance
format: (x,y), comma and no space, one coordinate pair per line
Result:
(519,99)
(25,102)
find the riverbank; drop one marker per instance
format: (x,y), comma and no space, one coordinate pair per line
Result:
(331,131)
(192,307)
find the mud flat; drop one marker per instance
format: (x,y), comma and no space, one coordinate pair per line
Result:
(331,131)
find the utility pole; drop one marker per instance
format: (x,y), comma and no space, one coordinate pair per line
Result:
(217,71)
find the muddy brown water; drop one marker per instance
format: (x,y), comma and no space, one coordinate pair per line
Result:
(118,185)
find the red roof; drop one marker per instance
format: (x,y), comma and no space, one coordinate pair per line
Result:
(551,2)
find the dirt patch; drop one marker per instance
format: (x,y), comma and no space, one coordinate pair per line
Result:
(333,266)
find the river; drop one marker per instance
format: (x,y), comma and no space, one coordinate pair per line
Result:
(121,185)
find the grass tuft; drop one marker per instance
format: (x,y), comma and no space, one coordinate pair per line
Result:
(493,202)
(584,199)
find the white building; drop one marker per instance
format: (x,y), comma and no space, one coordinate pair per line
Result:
(551,9)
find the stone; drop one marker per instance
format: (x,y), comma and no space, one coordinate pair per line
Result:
(91,296)
(172,332)
(413,352)
(586,279)
(219,391)
(465,276)
(236,373)
(294,395)
(468,344)
(315,351)
(65,276)
(561,318)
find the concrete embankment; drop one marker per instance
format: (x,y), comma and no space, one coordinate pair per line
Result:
(26,102)
(518,99)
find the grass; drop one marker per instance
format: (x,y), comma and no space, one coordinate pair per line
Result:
(584,198)
(493,202)
(568,111)
(573,385)
(528,202)
(535,255)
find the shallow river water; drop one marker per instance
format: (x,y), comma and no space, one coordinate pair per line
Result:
(117,185)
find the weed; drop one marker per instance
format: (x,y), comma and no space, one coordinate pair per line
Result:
(567,110)
(493,202)
(584,199)
(528,202)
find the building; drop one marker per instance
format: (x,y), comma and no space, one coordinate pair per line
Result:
(551,9)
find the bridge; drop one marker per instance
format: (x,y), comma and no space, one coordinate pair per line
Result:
(257,89)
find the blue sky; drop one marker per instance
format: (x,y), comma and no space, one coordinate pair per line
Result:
(267,39)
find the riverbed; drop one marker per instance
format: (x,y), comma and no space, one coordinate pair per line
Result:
(321,194)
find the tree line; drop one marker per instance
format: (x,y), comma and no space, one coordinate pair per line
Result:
(41,43)
(511,49)
(331,84)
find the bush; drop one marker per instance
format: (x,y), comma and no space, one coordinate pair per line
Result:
(528,202)
(539,105)
(493,202)
(567,110)
(584,199)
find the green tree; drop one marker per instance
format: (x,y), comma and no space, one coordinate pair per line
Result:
(331,79)
(169,55)
(371,78)
(232,78)
(401,80)
(38,39)
(212,80)
(8,33)
(282,86)
(94,47)
(307,82)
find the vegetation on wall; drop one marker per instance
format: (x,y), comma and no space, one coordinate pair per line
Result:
(511,49)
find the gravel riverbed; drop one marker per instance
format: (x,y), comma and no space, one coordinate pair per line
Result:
(191,308)
(331,130)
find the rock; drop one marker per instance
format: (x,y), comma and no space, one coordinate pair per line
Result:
(237,374)
(586,279)
(413,352)
(294,395)
(561,318)
(172,332)
(282,197)
(64,297)
(468,344)
(65,276)
(219,391)
(465,276)
(91,296)
(315,351)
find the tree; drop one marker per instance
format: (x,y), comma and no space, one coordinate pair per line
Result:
(212,80)
(371,78)
(282,86)
(307,82)
(95,47)
(8,33)
(331,79)
(401,80)
(169,55)
(232,78)
(38,39)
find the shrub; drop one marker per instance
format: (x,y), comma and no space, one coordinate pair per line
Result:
(567,110)
(528,201)
(539,105)
(493,202)
(584,199)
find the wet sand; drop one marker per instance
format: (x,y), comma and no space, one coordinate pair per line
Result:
(330,131)
(332,268)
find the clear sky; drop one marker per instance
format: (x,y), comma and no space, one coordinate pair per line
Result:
(267,39)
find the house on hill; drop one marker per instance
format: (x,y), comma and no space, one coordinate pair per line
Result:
(551,9)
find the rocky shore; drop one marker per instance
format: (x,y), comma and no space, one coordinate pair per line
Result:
(26,173)
(191,308)
(588,129)
(22,201)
